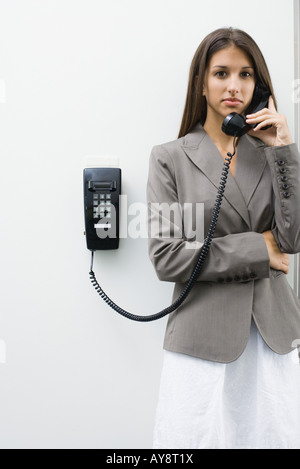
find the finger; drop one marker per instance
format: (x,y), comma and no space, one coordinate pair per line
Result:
(286,259)
(284,268)
(264,124)
(257,114)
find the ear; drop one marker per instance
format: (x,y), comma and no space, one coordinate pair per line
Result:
(196,80)
(204,89)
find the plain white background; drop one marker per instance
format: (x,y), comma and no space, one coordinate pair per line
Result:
(91,77)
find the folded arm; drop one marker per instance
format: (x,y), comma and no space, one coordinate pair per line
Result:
(233,258)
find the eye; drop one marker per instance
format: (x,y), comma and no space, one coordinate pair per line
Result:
(246,75)
(221,74)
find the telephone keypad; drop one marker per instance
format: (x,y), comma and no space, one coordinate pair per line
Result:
(102,205)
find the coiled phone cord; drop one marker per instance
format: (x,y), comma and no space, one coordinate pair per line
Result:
(198,267)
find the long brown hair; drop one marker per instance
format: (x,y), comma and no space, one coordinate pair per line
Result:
(195,106)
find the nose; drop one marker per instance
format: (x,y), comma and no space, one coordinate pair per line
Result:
(233,86)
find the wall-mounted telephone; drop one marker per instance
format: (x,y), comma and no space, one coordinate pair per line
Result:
(102,187)
(235,124)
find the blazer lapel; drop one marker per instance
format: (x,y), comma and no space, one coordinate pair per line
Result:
(202,151)
(250,166)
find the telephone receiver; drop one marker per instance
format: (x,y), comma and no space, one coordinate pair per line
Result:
(235,124)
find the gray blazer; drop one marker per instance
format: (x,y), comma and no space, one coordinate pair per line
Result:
(237,282)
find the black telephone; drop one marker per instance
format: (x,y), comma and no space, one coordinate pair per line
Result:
(102,187)
(235,124)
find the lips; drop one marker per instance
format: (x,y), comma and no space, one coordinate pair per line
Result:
(232,100)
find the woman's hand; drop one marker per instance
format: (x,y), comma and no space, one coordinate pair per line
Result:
(278,135)
(278,260)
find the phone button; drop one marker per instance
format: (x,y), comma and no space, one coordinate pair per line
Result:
(246,278)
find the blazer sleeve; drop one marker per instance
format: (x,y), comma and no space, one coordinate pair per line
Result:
(284,163)
(233,258)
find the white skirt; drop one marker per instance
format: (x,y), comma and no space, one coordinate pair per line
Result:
(252,403)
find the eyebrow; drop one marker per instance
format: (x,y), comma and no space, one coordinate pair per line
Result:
(225,66)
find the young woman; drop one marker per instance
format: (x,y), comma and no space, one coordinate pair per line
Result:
(231,375)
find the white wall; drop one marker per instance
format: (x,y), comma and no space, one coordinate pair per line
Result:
(92,77)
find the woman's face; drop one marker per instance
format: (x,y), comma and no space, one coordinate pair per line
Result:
(229,83)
